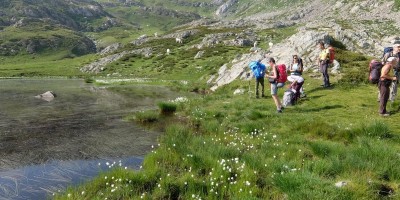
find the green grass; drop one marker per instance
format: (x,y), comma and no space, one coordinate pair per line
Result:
(45,65)
(237,147)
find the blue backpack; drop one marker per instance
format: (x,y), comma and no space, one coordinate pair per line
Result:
(387,50)
(257,68)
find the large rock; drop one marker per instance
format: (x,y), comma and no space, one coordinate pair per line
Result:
(47,96)
(239,68)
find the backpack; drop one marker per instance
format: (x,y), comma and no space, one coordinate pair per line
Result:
(289,98)
(331,55)
(387,50)
(257,69)
(282,75)
(375,67)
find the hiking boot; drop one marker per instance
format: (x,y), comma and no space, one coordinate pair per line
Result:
(279,111)
(384,114)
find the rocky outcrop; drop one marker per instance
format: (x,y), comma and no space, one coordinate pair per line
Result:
(101,64)
(238,69)
(73,14)
(223,9)
(77,44)
(110,49)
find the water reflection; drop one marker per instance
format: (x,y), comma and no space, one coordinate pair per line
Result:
(83,122)
(42,181)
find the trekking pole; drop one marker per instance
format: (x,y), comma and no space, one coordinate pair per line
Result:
(247,76)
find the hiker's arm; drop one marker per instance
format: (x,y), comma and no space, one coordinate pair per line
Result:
(385,74)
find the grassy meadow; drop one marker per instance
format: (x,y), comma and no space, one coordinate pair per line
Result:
(331,145)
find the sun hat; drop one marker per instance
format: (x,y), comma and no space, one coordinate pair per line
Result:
(390,59)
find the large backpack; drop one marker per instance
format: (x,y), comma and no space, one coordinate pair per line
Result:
(375,67)
(282,75)
(257,70)
(387,50)
(331,55)
(289,98)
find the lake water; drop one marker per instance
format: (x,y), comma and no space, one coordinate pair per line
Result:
(68,136)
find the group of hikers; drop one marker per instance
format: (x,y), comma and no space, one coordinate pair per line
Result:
(386,80)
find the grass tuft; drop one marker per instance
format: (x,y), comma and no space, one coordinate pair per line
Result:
(167,108)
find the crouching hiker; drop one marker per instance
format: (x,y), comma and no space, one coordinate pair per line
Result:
(258,70)
(296,85)
(384,83)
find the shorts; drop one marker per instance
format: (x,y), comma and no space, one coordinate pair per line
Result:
(275,86)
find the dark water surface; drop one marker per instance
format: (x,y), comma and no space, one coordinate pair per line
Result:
(81,127)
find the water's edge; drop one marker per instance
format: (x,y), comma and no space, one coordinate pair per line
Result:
(43,181)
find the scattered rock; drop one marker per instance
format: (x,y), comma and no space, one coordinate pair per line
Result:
(341,184)
(239,92)
(199,55)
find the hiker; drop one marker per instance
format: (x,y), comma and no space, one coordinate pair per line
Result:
(296,84)
(384,82)
(396,69)
(272,77)
(323,61)
(258,70)
(296,69)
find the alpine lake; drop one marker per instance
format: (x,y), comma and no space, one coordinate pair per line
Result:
(47,145)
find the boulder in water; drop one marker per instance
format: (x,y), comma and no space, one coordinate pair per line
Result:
(47,96)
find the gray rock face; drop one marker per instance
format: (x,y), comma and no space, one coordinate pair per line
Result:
(99,65)
(238,69)
(110,49)
(225,7)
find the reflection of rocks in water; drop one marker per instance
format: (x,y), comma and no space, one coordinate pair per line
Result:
(83,135)
(47,96)
(106,97)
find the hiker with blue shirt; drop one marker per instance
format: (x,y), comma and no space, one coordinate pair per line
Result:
(258,70)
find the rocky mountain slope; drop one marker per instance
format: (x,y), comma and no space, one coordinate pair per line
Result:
(359,26)
(363,26)
(49,25)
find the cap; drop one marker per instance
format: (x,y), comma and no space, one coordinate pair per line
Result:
(390,59)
